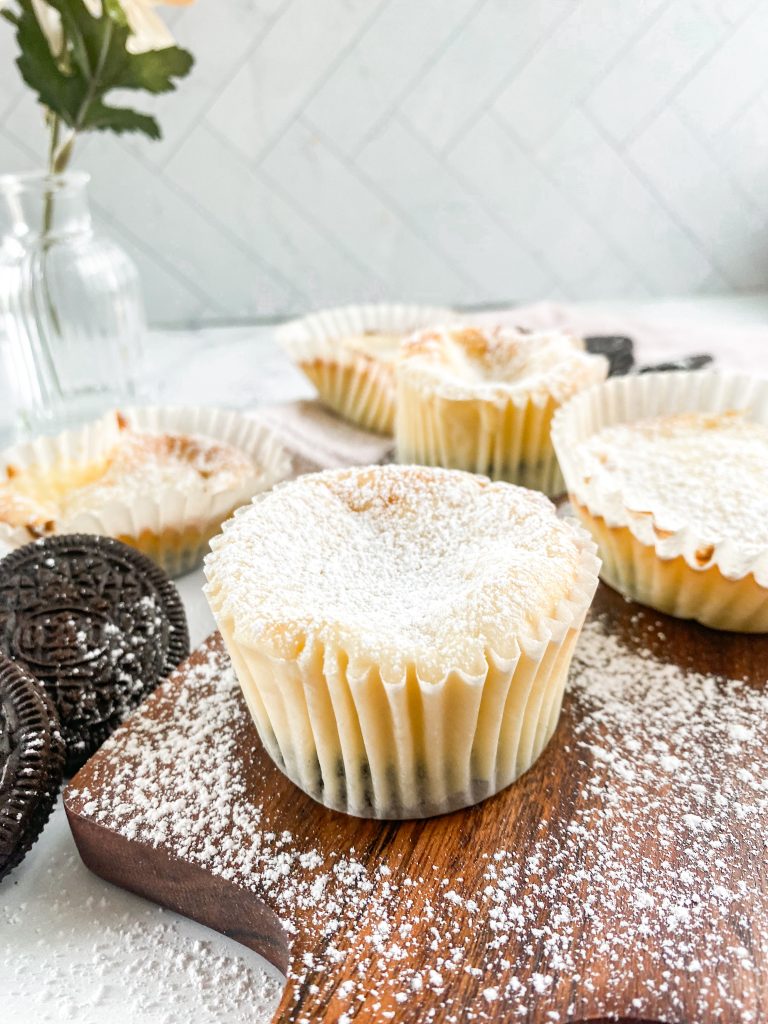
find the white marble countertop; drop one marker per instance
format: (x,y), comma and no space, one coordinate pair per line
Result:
(74,948)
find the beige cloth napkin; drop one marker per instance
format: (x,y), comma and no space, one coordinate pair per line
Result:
(317,439)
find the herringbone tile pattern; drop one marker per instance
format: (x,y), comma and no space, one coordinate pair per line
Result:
(439,150)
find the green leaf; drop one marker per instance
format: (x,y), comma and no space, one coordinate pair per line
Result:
(95,62)
(39,68)
(154,69)
(122,119)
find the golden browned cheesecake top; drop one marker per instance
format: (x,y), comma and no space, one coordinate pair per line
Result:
(348,333)
(498,362)
(133,463)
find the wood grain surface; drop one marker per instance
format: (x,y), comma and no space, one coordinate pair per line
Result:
(548,801)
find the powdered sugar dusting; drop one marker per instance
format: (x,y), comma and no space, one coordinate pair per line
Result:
(708,473)
(144,462)
(397,565)
(133,464)
(73,949)
(498,363)
(640,877)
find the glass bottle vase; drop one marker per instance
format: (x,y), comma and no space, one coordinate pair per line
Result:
(70,305)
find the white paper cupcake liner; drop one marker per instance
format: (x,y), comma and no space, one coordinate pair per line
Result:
(409,748)
(357,387)
(170,526)
(505,441)
(644,557)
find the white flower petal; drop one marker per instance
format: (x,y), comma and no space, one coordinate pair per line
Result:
(49,21)
(148,30)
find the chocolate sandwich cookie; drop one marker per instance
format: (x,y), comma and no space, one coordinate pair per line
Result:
(97,623)
(618,350)
(31,762)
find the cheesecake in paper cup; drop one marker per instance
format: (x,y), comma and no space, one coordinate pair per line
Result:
(162,479)
(482,399)
(402,634)
(669,472)
(349,355)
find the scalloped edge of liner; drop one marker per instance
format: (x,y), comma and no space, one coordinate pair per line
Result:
(158,511)
(569,611)
(317,334)
(421,380)
(642,396)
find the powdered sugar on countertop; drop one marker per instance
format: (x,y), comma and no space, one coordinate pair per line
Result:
(644,777)
(75,949)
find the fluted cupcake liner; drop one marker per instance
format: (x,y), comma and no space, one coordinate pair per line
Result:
(171,527)
(359,388)
(407,747)
(505,440)
(641,557)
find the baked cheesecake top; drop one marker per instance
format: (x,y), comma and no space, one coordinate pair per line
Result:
(700,472)
(396,567)
(499,363)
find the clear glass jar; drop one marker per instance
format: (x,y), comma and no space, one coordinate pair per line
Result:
(70,305)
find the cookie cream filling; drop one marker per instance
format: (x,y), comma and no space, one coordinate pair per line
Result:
(498,363)
(400,566)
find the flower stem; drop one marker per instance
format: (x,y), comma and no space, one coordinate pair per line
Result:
(59,155)
(58,158)
(55,123)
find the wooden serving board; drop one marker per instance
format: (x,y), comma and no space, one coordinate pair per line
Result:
(623,877)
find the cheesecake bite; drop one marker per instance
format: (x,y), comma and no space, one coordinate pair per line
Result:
(669,472)
(349,354)
(160,489)
(482,400)
(402,635)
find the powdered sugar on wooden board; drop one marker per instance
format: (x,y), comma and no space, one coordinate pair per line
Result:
(645,862)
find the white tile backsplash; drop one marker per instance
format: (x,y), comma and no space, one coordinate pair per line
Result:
(515,189)
(350,209)
(682,37)
(744,145)
(447,150)
(377,75)
(446,213)
(464,77)
(731,79)
(285,67)
(712,207)
(601,182)
(250,209)
(588,41)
